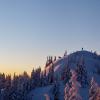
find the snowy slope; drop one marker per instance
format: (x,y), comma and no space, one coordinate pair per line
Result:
(39,93)
(91,60)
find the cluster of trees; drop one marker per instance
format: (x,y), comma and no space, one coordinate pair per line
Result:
(19,86)
(81,71)
(50,60)
(94,92)
(14,88)
(72,90)
(77,79)
(82,76)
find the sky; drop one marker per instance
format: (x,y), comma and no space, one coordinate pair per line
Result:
(30,30)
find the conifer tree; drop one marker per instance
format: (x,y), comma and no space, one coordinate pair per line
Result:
(73,93)
(94,92)
(82,73)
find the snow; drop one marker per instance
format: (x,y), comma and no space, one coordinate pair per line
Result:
(72,60)
(84,92)
(61,90)
(90,61)
(39,93)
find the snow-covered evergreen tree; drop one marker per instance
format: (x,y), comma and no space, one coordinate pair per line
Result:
(73,93)
(2,80)
(32,81)
(8,81)
(49,61)
(56,90)
(36,78)
(94,92)
(19,88)
(65,54)
(66,92)
(50,75)
(66,75)
(82,76)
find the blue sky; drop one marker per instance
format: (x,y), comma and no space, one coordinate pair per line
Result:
(32,29)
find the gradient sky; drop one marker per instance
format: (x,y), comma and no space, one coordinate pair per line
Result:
(32,29)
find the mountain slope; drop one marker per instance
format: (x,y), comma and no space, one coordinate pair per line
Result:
(91,62)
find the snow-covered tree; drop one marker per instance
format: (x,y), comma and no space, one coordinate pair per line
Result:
(66,92)
(66,74)
(51,74)
(73,93)
(49,61)
(56,90)
(19,88)
(82,76)
(35,78)
(43,79)
(2,80)
(8,81)
(32,79)
(6,90)
(94,92)
(65,54)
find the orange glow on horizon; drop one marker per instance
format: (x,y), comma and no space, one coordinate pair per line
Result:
(18,69)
